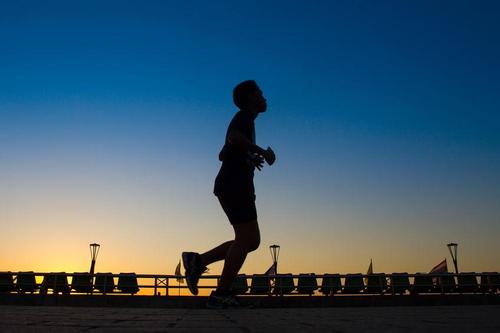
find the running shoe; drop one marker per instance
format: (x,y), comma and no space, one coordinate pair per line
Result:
(191,262)
(225,301)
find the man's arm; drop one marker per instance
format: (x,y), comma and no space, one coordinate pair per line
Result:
(237,139)
(240,141)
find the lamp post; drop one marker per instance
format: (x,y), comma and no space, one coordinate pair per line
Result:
(453,251)
(275,252)
(94,250)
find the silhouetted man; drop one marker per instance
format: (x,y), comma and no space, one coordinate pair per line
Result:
(235,190)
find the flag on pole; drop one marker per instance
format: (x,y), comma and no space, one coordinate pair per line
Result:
(178,274)
(370,271)
(271,270)
(442,267)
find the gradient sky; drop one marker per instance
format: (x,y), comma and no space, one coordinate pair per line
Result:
(384,116)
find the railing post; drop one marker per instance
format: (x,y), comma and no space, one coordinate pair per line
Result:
(167,286)
(440,279)
(55,284)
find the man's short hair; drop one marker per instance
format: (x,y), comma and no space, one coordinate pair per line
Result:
(242,91)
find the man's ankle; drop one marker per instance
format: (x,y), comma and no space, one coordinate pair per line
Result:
(199,260)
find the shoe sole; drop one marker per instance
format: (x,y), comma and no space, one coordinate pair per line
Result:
(185,263)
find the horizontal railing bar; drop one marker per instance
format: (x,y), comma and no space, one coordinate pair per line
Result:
(152,276)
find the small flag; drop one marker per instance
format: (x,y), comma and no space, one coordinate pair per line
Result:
(271,270)
(178,274)
(442,267)
(369,272)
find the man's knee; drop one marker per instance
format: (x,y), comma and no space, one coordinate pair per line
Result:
(249,235)
(250,242)
(254,244)
(254,237)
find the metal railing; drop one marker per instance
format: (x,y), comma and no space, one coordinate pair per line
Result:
(335,284)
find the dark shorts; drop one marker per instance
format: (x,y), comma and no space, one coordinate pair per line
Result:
(239,209)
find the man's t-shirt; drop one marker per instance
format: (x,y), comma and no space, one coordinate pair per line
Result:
(235,177)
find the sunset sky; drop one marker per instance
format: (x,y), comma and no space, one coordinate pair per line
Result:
(384,116)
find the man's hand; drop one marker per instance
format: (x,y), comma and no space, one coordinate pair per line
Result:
(258,161)
(269,156)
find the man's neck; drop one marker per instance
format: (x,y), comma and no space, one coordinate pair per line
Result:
(253,113)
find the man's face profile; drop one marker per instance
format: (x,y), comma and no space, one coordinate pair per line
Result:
(257,100)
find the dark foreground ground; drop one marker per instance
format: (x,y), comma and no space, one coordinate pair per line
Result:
(463,318)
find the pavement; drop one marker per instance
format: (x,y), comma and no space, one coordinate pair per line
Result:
(462,318)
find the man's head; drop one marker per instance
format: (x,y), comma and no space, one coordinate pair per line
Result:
(248,96)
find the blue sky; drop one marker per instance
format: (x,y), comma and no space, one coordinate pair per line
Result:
(383,114)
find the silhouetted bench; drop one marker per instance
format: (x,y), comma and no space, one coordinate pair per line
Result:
(422,283)
(127,283)
(399,283)
(307,283)
(353,284)
(57,282)
(261,284)
(490,282)
(104,282)
(445,283)
(376,283)
(330,284)
(467,283)
(6,282)
(81,282)
(26,282)
(283,284)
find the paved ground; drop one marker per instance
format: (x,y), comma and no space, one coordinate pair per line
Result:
(478,318)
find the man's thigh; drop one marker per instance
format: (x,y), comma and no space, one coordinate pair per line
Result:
(239,209)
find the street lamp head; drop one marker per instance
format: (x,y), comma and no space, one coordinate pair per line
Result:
(94,250)
(452,244)
(275,252)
